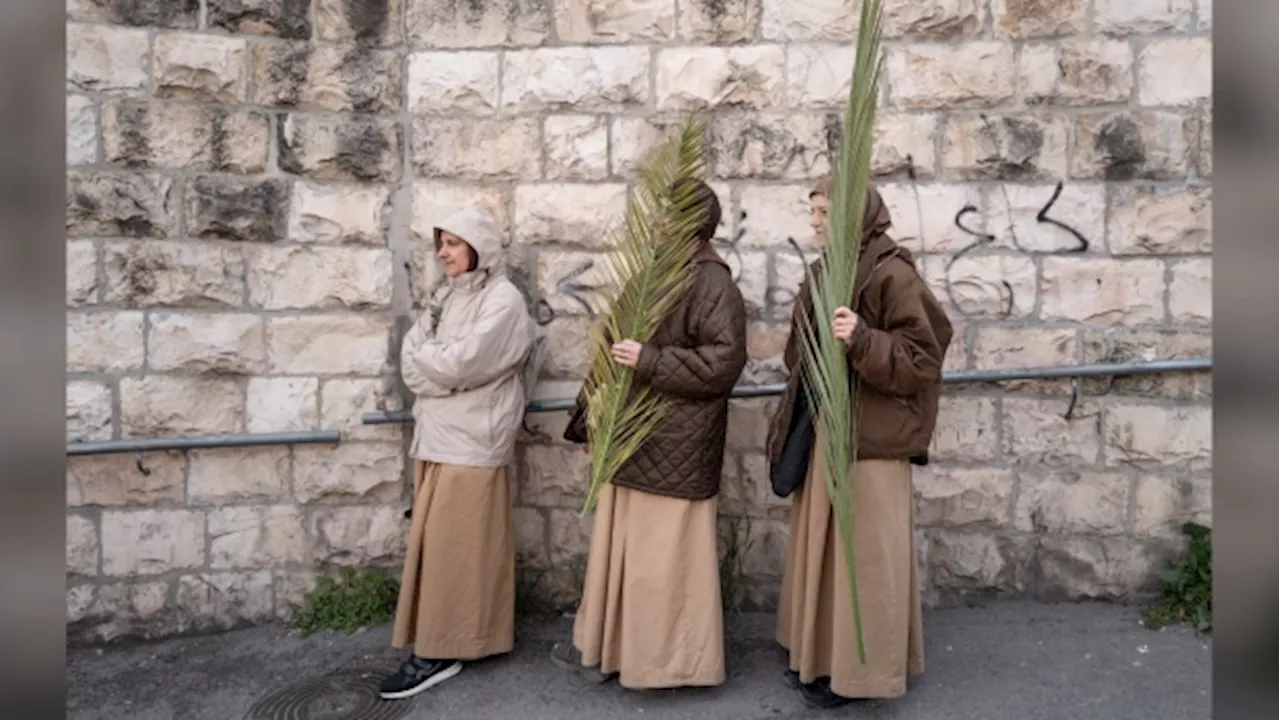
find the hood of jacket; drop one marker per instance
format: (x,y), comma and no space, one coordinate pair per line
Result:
(478,229)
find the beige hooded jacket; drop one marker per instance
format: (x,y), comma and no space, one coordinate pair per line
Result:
(463,358)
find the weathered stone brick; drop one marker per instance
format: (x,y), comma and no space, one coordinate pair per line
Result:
(1038,433)
(924,216)
(632,139)
(339,213)
(151,273)
(358,536)
(1124,345)
(150,542)
(477,149)
(939,20)
(902,147)
(1001,347)
(256,537)
(577,147)
(356,472)
(570,535)
(1175,71)
(795,20)
(343,402)
(115,481)
(1076,72)
(967,430)
(531,537)
(1142,17)
(794,147)
(291,590)
(1158,221)
(570,282)
(1015,147)
(82,273)
(104,342)
(973,75)
(248,210)
(773,213)
(239,475)
(765,551)
(575,78)
(1204,159)
(977,561)
(189,137)
(373,23)
(304,277)
(159,405)
(297,75)
(514,23)
(962,497)
(453,82)
(1039,18)
(211,68)
(818,76)
(281,404)
(103,59)
(790,270)
(713,22)
(122,205)
(984,285)
(1049,219)
(749,423)
(1191,292)
(330,147)
(1099,291)
(433,201)
(82,131)
(1162,504)
(1085,567)
(747,77)
(1149,436)
(567,342)
(88,411)
(1204,15)
(184,14)
(328,345)
(121,609)
(82,545)
(290,19)
(569,213)
(614,21)
(223,601)
(751,274)
(554,475)
(1138,145)
(221,343)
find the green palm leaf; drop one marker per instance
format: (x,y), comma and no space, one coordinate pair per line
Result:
(826,362)
(651,270)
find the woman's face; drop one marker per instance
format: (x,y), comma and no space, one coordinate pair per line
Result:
(454,253)
(818,218)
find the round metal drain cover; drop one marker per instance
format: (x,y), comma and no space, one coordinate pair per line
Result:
(343,695)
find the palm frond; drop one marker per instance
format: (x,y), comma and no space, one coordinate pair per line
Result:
(650,270)
(829,385)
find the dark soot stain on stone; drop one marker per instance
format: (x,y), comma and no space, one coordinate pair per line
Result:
(367,18)
(1120,142)
(361,147)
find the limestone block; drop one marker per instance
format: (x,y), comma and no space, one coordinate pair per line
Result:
(330,147)
(187,137)
(1149,436)
(475,149)
(222,343)
(344,79)
(88,411)
(1133,145)
(178,274)
(150,542)
(339,213)
(1102,291)
(209,68)
(453,82)
(578,78)
(748,77)
(121,205)
(239,475)
(320,277)
(247,210)
(160,405)
(104,341)
(337,344)
(972,75)
(281,404)
(256,537)
(1022,146)
(359,472)
(105,59)
(115,480)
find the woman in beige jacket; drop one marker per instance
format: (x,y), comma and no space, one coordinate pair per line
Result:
(463,361)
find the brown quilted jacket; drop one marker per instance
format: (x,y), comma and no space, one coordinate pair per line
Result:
(695,357)
(897,350)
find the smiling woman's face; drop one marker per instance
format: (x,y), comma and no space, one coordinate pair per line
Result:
(818,217)
(454,253)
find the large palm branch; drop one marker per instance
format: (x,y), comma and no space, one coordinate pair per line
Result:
(650,269)
(829,385)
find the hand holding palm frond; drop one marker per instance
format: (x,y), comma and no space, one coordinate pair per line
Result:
(829,386)
(650,267)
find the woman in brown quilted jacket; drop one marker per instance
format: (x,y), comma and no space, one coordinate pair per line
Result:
(650,610)
(897,334)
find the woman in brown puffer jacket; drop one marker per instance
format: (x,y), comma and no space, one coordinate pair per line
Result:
(650,609)
(897,335)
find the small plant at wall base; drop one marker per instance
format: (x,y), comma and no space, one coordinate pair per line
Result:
(357,599)
(1187,587)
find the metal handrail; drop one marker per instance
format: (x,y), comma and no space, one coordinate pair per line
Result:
(382,417)
(141,445)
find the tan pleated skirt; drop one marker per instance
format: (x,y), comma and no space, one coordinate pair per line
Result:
(815,611)
(651,607)
(457,592)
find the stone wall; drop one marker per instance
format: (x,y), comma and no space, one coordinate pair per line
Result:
(248,178)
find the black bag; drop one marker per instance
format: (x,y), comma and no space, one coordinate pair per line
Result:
(788,474)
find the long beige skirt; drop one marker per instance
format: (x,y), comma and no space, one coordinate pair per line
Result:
(651,600)
(457,592)
(815,611)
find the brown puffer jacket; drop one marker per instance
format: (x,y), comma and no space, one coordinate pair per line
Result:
(897,349)
(695,357)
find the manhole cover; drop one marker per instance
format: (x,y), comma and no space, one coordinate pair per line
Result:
(343,695)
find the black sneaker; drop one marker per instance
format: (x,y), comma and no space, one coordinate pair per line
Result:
(566,657)
(416,675)
(819,694)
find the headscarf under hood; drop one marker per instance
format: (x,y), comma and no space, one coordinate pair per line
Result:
(876,219)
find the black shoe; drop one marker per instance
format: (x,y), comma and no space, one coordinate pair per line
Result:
(416,675)
(819,694)
(566,657)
